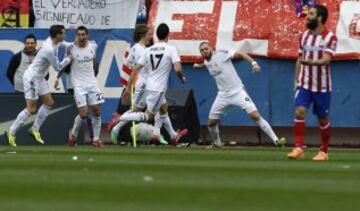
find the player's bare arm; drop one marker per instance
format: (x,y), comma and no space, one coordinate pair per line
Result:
(179,71)
(68,55)
(240,55)
(323,61)
(56,84)
(297,71)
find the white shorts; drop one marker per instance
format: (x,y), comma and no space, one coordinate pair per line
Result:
(154,100)
(34,86)
(223,101)
(139,94)
(88,95)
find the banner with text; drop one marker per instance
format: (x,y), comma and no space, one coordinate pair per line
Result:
(264,28)
(94,14)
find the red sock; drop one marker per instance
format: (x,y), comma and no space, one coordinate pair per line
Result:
(299,132)
(325,136)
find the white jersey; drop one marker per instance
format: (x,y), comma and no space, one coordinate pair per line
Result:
(82,66)
(134,56)
(159,59)
(222,69)
(47,55)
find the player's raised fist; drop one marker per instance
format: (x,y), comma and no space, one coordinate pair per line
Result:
(256,68)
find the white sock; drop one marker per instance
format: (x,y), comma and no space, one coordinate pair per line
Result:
(134,116)
(120,123)
(96,123)
(158,121)
(168,126)
(41,117)
(214,133)
(157,124)
(77,125)
(20,120)
(264,125)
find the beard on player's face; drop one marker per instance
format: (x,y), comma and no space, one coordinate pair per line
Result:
(30,46)
(30,49)
(312,23)
(208,55)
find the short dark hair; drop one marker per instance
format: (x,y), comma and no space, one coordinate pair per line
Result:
(140,31)
(162,31)
(55,30)
(82,28)
(322,11)
(30,36)
(203,43)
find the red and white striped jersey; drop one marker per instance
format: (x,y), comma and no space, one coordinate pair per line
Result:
(316,78)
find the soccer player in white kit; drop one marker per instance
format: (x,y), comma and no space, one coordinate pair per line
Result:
(142,37)
(231,90)
(159,60)
(35,85)
(86,90)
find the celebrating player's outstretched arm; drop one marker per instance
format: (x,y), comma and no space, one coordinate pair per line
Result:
(54,61)
(231,90)
(240,55)
(237,55)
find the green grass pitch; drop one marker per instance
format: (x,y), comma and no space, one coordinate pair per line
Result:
(157,178)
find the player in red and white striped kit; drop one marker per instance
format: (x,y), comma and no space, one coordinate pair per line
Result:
(313,80)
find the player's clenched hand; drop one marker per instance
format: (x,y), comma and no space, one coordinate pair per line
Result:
(256,68)
(183,79)
(307,62)
(56,85)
